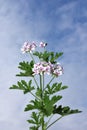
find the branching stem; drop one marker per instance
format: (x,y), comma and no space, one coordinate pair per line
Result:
(54,122)
(35,96)
(49,82)
(36,82)
(49,119)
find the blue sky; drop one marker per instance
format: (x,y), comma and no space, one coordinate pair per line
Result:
(63,25)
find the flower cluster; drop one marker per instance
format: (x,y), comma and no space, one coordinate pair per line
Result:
(27,47)
(57,70)
(42,67)
(47,68)
(44,93)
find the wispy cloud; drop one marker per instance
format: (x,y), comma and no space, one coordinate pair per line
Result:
(60,24)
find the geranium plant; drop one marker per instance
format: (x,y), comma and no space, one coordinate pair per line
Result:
(44,104)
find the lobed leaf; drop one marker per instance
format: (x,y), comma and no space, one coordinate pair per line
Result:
(26,68)
(35,120)
(23,85)
(29,107)
(48,56)
(33,128)
(35,105)
(64,110)
(49,104)
(54,88)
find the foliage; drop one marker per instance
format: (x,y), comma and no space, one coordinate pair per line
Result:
(46,98)
(23,85)
(48,56)
(26,68)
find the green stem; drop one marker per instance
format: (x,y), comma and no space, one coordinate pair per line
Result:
(35,96)
(32,57)
(50,82)
(36,82)
(49,119)
(42,123)
(54,122)
(43,81)
(42,102)
(42,86)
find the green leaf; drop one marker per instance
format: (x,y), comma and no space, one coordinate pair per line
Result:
(23,85)
(20,85)
(33,128)
(29,107)
(49,104)
(31,121)
(26,68)
(45,106)
(54,88)
(38,92)
(35,105)
(48,56)
(64,110)
(14,87)
(35,120)
(35,116)
(64,87)
(55,99)
(55,56)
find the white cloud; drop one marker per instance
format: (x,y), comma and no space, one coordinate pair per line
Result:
(12,33)
(14,29)
(65,13)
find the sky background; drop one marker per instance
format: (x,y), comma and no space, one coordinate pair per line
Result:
(63,25)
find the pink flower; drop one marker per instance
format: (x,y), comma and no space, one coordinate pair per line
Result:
(57,70)
(27,47)
(42,67)
(42,44)
(33,46)
(47,68)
